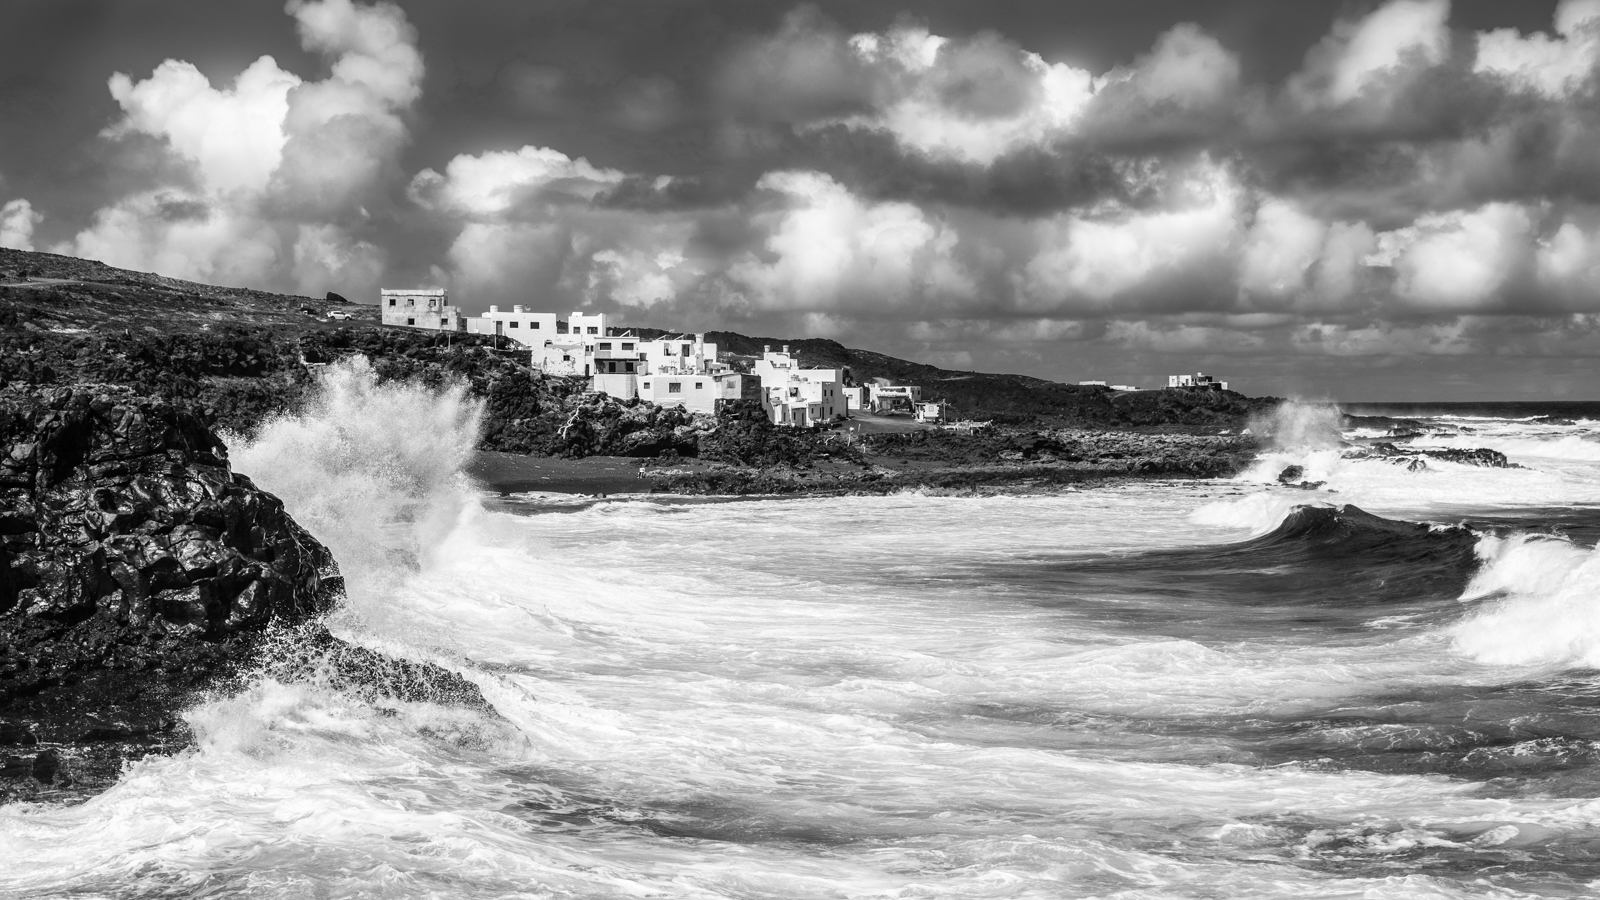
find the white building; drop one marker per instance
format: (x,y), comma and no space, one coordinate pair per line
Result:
(883,397)
(1197,380)
(696,393)
(521,325)
(795,396)
(616,361)
(427,308)
(572,351)
(931,412)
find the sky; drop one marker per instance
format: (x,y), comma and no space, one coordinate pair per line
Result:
(1347,200)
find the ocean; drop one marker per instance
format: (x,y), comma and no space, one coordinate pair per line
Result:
(1386,687)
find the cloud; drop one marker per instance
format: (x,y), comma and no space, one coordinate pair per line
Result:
(1119,257)
(279,171)
(1410,189)
(17,221)
(1555,66)
(1369,58)
(497,182)
(971,100)
(827,249)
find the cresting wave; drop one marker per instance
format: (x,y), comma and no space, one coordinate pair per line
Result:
(1537,600)
(374,471)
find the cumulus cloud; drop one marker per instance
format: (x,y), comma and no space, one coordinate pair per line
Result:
(828,249)
(1368,58)
(280,169)
(1552,65)
(17,221)
(497,182)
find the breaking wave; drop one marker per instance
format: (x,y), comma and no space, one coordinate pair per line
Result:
(373,470)
(1538,600)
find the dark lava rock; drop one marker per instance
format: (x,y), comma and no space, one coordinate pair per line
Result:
(1291,475)
(1413,459)
(135,567)
(137,570)
(1482,456)
(311,653)
(335,298)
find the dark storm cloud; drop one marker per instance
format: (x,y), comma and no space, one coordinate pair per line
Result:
(974,183)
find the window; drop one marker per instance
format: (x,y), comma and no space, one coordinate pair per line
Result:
(687,348)
(647,385)
(533,324)
(674,387)
(443,321)
(593,330)
(391,301)
(628,367)
(513,324)
(699,385)
(626,347)
(411,321)
(606,346)
(566,358)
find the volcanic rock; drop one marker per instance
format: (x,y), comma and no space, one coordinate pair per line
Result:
(1291,475)
(135,567)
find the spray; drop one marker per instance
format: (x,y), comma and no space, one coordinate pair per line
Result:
(374,471)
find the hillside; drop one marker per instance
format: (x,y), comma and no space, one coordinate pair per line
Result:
(241,356)
(65,294)
(1015,399)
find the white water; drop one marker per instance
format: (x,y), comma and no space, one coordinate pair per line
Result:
(854,697)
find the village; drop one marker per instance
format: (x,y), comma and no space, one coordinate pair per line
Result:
(681,369)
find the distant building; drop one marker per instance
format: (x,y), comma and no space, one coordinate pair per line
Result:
(520,325)
(1197,380)
(673,370)
(795,396)
(1091,384)
(427,308)
(883,397)
(932,412)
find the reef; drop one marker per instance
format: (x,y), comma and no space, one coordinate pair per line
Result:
(1415,459)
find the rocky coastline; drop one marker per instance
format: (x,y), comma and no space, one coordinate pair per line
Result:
(137,571)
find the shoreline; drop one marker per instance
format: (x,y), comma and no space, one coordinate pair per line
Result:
(507,474)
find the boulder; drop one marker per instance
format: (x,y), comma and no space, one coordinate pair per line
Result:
(1291,475)
(135,568)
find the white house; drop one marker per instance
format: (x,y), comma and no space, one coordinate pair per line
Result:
(1197,380)
(795,396)
(427,308)
(696,393)
(616,361)
(520,325)
(883,397)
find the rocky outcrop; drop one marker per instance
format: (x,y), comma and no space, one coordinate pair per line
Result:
(1415,460)
(135,567)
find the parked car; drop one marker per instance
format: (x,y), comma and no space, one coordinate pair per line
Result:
(342,316)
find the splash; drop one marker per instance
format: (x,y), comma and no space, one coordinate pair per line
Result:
(374,471)
(1296,425)
(1540,604)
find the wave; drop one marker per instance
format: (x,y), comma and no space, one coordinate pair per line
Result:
(1323,565)
(1538,604)
(375,471)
